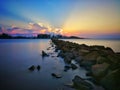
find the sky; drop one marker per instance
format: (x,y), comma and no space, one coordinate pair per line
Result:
(83,18)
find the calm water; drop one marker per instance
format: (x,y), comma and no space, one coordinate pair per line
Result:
(17,55)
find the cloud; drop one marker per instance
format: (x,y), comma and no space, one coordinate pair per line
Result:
(36,26)
(58,30)
(32,28)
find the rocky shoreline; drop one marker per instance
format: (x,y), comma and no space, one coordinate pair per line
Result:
(101,63)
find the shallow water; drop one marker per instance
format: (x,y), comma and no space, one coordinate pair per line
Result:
(17,55)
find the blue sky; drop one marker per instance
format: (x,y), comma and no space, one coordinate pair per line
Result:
(77,17)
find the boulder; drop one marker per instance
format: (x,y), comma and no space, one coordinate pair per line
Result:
(66,68)
(78,59)
(101,59)
(87,64)
(32,68)
(67,59)
(73,66)
(112,80)
(92,55)
(100,70)
(56,75)
(44,54)
(81,84)
(84,50)
(38,67)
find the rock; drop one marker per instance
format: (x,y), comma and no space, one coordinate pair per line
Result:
(69,85)
(89,73)
(87,64)
(112,80)
(81,84)
(38,67)
(101,59)
(78,59)
(84,51)
(67,59)
(56,75)
(66,68)
(100,70)
(48,48)
(92,55)
(44,54)
(109,50)
(73,66)
(96,47)
(32,68)
(102,63)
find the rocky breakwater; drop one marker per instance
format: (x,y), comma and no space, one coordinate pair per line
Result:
(102,63)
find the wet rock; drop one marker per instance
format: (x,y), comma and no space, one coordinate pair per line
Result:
(38,67)
(73,66)
(56,75)
(81,84)
(44,54)
(32,68)
(69,85)
(66,68)
(92,80)
(48,48)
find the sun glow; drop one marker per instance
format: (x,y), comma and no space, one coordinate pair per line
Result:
(100,20)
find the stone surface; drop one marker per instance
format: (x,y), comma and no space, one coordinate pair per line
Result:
(56,75)
(31,68)
(81,84)
(112,80)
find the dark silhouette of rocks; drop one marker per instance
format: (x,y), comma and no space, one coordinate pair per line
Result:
(56,75)
(66,68)
(38,67)
(44,54)
(32,68)
(73,66)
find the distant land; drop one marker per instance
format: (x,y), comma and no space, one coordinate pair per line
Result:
(39,36)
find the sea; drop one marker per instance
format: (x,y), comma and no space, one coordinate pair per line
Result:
(17,55)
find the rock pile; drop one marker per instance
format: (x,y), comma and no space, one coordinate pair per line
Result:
(102,63)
